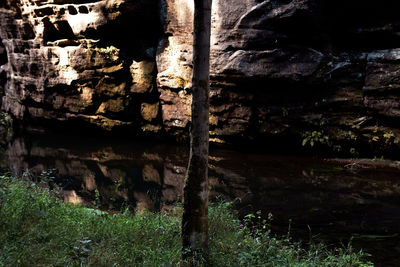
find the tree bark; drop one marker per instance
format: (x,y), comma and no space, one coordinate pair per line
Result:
(195,215)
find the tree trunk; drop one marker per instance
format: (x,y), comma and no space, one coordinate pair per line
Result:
(195,215)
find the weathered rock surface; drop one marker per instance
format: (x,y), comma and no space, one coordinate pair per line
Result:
(317,73)
(87,61)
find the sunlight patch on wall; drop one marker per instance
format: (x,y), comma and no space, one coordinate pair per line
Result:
(67,73)
(184,12)
(81,22)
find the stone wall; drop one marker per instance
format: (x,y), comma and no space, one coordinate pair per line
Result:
(299,73)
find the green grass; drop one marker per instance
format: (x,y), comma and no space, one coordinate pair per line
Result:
(37,229)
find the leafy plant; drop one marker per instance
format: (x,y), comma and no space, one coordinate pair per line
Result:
(314,137)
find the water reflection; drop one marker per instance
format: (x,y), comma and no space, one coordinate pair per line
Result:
(113,175)
(333,199)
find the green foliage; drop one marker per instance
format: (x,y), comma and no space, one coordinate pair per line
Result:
(36,229)
(353,151)
(390,138)
(249,243)
(315,137)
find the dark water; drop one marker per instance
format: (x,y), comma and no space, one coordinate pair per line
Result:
(332,201)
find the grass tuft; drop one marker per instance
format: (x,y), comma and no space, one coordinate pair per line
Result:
(37,229)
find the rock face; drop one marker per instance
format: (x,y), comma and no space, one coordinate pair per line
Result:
(84,61)
(316,73)
(321,74)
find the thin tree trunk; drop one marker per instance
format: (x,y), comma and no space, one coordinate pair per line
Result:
(195,215)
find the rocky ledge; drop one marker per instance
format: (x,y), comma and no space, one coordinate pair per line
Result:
(298,73)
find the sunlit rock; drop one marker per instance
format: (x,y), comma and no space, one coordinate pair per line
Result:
(70,196)
(279,69)
(142,76)
(70,60)
(149,111)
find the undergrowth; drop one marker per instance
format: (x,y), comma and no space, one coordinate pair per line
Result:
(37,229)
